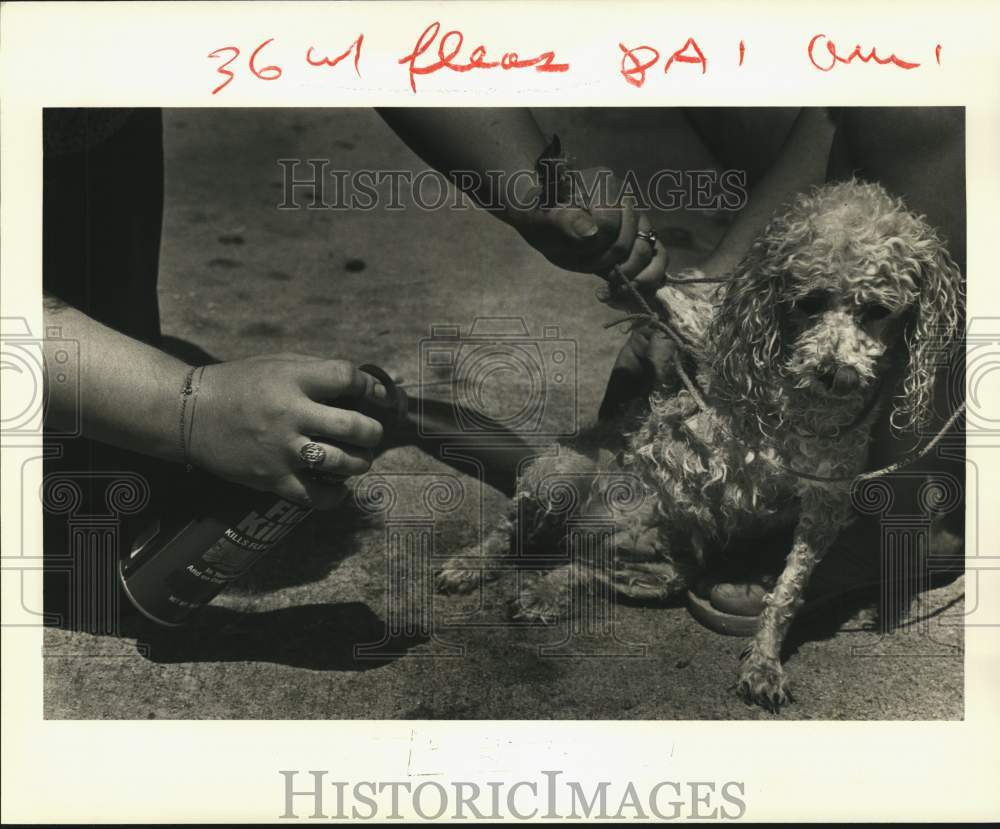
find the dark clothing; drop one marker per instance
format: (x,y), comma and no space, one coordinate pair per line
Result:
(102,215)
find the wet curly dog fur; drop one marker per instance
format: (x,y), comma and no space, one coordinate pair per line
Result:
(792,355)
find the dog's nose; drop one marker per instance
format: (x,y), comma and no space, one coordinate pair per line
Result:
(841,379)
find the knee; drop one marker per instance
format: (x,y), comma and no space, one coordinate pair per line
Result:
(923,127)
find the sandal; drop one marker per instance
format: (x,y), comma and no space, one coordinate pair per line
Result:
(730,601)
(728,607)
(732,606)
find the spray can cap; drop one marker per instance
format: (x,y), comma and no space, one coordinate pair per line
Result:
(395,410)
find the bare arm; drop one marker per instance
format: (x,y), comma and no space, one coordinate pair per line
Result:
(469,145)
(127,392)
(247,423)
(474,140)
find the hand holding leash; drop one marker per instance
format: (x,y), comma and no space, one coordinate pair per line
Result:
(583,221)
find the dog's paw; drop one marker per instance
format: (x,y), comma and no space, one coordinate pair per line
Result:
(456,578)
(546,601)
(762,682)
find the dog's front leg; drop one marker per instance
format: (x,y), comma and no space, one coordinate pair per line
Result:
(761,677)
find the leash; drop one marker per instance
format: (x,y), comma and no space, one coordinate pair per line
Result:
(694,280)
(649,316)
(909,458)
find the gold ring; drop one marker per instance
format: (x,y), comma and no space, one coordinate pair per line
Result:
(313,454)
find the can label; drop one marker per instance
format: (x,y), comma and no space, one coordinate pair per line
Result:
(187,570)
(242,545)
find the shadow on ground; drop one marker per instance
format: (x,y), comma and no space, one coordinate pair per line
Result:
(329,637)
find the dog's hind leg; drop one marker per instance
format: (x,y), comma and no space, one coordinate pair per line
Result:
(617,546)
(550,489)
(645,566)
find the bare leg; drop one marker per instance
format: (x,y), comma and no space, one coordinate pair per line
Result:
(743,138)
(917,153)
(800,165)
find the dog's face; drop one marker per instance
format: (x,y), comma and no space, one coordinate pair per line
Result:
(844,307)
(830,291)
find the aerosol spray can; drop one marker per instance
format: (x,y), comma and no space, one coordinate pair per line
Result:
(180,563)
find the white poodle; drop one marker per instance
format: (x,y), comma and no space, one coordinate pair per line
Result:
(790,356)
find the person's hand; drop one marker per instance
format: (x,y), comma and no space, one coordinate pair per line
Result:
(253,416)
(595,235)
(645,363)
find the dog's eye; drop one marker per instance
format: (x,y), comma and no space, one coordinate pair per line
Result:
(811,303)
(875,312)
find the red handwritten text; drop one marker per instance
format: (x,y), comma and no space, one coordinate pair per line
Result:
(265,73)
(354,47)
(223,70)
(638,60)
(833,58)
(450,45)
(434,52)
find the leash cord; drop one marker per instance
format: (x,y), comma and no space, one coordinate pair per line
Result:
(910,457)
(694,280)
(650,316)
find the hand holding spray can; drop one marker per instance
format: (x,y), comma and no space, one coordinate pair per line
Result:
(179,565)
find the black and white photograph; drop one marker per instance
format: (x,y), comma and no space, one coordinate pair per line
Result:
(504,414)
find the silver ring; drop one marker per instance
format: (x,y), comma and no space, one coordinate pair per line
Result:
(313,454)
(649,235)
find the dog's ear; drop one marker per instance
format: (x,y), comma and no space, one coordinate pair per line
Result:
(933,328)
(746,332)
